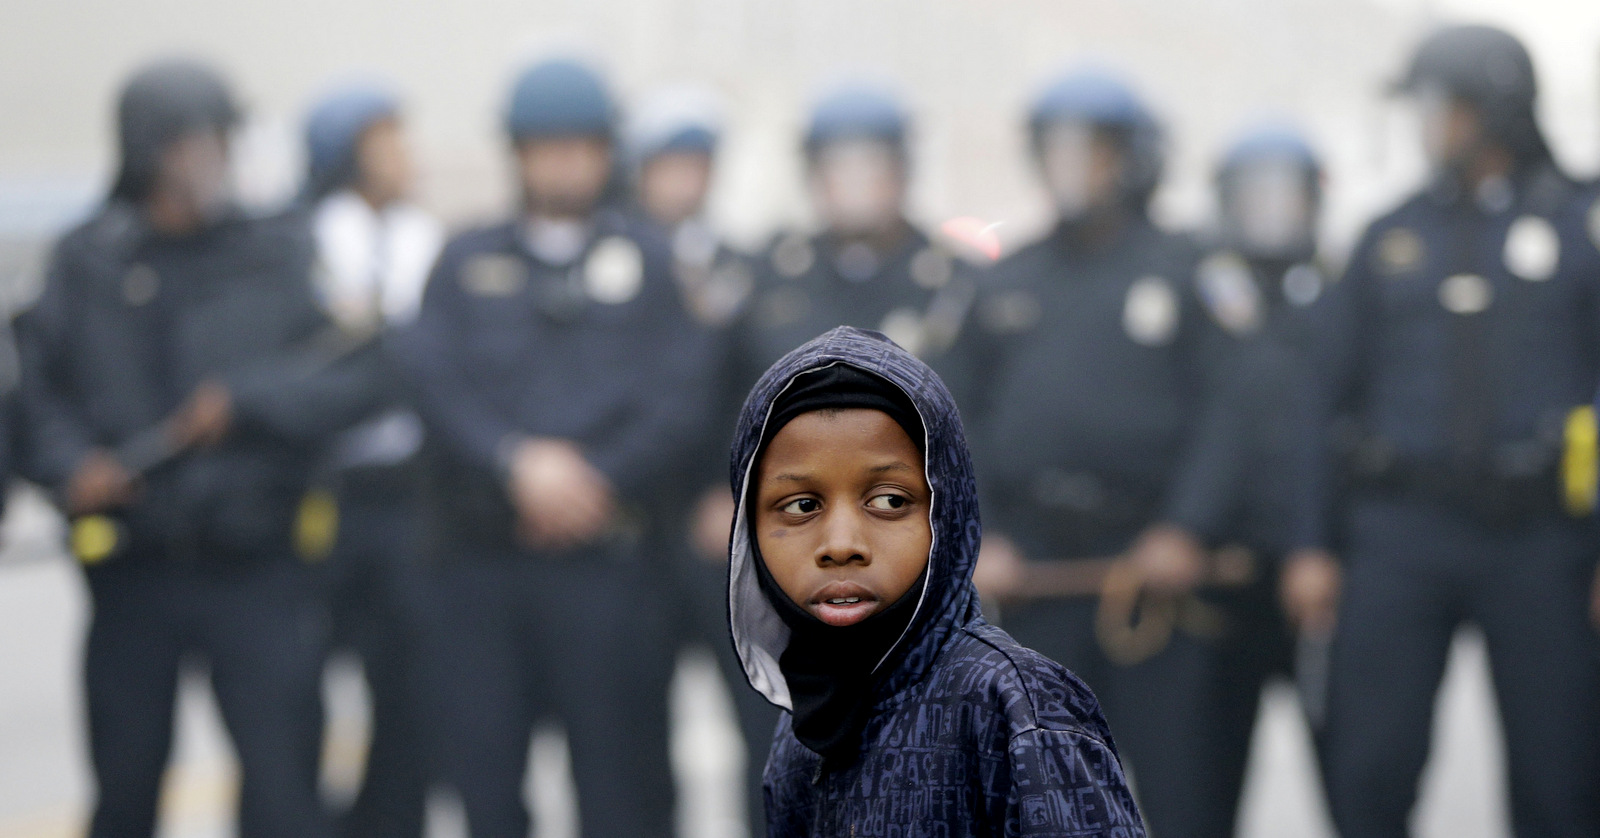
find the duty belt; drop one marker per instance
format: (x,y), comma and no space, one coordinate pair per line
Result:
(1515,483)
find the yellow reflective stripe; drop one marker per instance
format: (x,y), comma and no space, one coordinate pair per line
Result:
(316,527)
(93,538)
(1580,462)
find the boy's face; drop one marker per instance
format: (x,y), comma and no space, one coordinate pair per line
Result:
(841,513)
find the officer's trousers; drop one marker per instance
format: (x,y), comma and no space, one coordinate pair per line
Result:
(704,620)
(378,609)
(1416,572)
(581,637)
(1167,715)
(261,630)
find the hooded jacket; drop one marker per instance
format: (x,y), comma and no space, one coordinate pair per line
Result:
(970,733)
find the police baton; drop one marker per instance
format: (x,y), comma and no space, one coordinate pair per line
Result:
(1133,623)
(96,537)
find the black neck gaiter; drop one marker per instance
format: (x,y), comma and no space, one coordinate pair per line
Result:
(829,669)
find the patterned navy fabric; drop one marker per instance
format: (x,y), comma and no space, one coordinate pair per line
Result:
(971,734)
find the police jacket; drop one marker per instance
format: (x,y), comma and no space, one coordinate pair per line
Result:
(130,322)
(917,293)
(598,351)
(1268,385)
(1093,398)
(1464,332)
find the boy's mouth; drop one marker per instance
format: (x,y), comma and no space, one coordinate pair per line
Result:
(843,603)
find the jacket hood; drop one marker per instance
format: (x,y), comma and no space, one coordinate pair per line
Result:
(947,600)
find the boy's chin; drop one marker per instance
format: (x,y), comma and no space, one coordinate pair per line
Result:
(847,614)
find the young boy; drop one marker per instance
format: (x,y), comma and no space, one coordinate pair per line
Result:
(852,607)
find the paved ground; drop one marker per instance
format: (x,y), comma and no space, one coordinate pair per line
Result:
(43,786)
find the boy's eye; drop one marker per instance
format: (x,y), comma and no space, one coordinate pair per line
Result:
(889,503)
(802,506)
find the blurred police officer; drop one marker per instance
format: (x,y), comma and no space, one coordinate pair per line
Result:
(1097,439)
(1258,282)
(562,380)
(1463,334)
(869,266)
(374,251)
(179,379)
(672,139)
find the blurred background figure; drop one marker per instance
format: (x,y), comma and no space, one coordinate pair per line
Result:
(1460,340)
(563,380)
(1100,435)
(869,266)
(672,140)
(179,379)
(1258,280)
(374,251)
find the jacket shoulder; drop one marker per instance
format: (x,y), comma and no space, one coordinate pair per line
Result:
(1407,211)
(111,231)
(1036,693)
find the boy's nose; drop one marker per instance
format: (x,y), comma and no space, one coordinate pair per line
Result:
(843,541)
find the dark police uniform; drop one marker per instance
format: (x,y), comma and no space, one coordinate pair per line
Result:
(1465,335)
(1268,382)
(1465,331)
(1091,421)
(1261,292)
(1094,418)
(204,559)
(601,353)
(918,294)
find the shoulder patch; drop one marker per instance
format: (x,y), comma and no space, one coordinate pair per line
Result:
(1150,312)
(494,275)
(1399,251)
(1532,249)
(614,271)
(1228,289)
